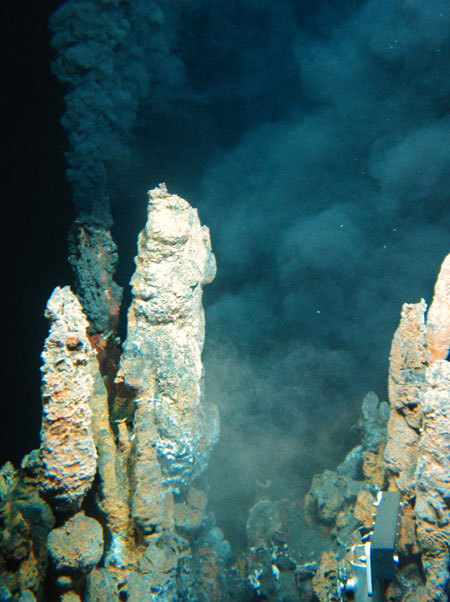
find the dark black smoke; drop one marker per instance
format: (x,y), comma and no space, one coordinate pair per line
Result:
(113,55)
(315,143)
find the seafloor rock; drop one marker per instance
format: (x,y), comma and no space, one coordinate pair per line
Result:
(438,316)
(416,457)
(25,521)
(264,524)
(326,579)
(330,492)
(121,450)
(112,466)
(162,352)
(102,586)
(151,503)
(188,515)
(433,481)
(408,360)
(77,545)
(93,256)
(201,575)
(27,596)
(67,449)
(374,418)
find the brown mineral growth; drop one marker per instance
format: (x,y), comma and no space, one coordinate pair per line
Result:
(149,509)
(408,361)
(433,482)
(438,317)
(161,357)
(325,581)
(25,522)
(67,452)
(112,473)
(416,456)
(93,256)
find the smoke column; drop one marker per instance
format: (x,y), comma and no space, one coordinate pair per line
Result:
(315,142)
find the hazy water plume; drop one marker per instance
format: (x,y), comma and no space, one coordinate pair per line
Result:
(315,143)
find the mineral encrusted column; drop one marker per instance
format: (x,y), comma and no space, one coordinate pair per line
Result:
(67,453)
(438,316)
(408,361)
(93,257)
(161,359)
(112,474)
(418,447)
(433,482)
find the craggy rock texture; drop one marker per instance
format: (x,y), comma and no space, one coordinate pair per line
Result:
(151,505)
(188,515)
(112,469)
(162,352)
(342,499)
(325,581)
(77,545)
(433,481)
(416,455)
(438,316)
(67,451)
(408,360)
(405,446)
(148,435)
(93,257)
(25,521)
(123,452)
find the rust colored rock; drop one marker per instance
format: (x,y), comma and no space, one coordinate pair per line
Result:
(25,521)
(407,538)
(108,355)
(400,454)
(188,515)
(162,352)
(433,481)
(363,508)
(149,506)
(325,581)
(93,256)
(408,357)
(112,473)
(77,545)
(67,451)
(70,597)
(416,457)
(408,361)
(438,317)
(373,467)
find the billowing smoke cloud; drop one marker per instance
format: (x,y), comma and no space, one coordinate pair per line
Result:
(112,55)
(315,143)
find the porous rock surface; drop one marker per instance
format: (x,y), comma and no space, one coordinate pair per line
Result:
(433,481)
(407,364)
(78,544)
(161,359)
(93,257)
(415,458)
(113,485)
(67,453)
(438,316)
(25,521)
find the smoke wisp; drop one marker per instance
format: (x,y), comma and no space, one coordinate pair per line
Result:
(315,143)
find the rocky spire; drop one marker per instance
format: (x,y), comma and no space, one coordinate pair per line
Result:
(162,352)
